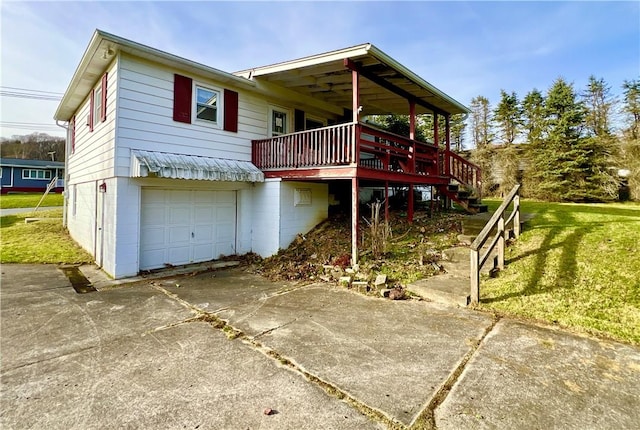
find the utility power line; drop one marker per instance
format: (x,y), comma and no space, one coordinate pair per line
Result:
(24,93)
(30,126)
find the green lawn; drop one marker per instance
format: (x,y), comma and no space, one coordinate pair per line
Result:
(44,241)
(576,265)
(29,200)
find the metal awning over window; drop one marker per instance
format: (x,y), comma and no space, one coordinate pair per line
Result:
(180,166)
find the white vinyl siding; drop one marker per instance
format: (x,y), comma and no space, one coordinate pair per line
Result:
(93,157)
(276,218)
(145,117)
(299,219)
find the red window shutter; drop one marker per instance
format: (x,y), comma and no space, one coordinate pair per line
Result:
(91,104)
(182,89)
(103,111)
(73,134)
(231,111)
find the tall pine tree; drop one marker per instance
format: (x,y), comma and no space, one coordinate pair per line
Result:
(482,135)
(568,166)
(534,125)
(601,141)
(508,119)
(630,145)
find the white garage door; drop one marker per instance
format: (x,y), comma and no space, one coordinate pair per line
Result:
(186,226)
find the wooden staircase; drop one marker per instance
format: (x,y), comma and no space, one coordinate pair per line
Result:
(463,197)
(465,182)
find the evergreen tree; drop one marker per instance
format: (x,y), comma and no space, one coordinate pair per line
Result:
(457,127)
(508,118)
(481,121)
(599,104)
(631,107)
(533,112)
(534,126)
(568,165)
(481,133)
(630,144)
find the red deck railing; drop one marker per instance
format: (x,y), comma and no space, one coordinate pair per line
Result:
(465,172)
(346,144)
(355,144)
(328,146)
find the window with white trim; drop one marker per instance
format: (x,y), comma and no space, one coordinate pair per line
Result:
(97,105)
(207,104)
(278,121)
(36,174)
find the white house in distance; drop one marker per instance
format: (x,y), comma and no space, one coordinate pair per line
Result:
(171,162)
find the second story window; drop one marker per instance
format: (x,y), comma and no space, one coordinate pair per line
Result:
(207,101)
(97,105)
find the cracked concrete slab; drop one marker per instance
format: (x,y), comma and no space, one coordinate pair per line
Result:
(121,358)
(127,357)
(391,356)
(38,324)
(530,377)
(218,290)
(188,376)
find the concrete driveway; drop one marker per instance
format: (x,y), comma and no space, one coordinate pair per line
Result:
(220,349)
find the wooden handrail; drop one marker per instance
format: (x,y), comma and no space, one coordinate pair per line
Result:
(464,171)
(498,219)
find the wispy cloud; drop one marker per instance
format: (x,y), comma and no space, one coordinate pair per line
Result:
(464,48)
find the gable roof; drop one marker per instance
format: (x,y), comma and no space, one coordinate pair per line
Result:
(385,89)
(39,164)
(101,51)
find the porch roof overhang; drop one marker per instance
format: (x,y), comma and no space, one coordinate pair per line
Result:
(179,166)
(387,88)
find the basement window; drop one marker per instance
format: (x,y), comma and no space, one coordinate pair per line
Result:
(302,197)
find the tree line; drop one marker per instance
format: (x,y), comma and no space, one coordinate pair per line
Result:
(561,145)
(34,146)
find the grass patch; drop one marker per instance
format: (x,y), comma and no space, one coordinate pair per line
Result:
(29,200)
(44,241)
(576,265)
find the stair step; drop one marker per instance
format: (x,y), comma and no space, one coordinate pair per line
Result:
(453,187)
(479,207)
(464,195)
(473,200)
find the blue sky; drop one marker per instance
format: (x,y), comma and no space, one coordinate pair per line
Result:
(464,48)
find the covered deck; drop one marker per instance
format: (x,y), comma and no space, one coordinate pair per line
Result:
(349,84)
(352,150)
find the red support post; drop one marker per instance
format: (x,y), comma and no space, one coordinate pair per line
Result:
(436,140)
(412,134)
(354,221)
(447,137)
